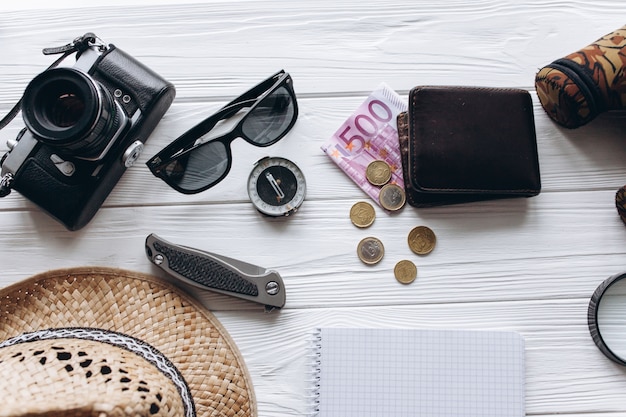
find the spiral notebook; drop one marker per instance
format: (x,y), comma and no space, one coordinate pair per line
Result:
(412,372)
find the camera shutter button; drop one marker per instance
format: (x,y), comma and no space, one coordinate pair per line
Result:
(132,153)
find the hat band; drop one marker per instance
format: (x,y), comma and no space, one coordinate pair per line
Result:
(136,346)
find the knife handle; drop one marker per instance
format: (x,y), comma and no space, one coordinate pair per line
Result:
(212,272)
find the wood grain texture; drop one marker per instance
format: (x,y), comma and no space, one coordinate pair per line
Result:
(589,158)
(528,265)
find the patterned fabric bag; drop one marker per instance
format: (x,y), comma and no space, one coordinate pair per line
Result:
(575,89)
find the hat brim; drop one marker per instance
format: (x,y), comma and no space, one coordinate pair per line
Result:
(144,307)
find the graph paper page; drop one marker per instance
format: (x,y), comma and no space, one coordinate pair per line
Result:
(410,372)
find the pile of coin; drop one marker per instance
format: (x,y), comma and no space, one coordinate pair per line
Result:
(392,196)
(378,172)
(370,250)
(362,214)
(422,240)
(405,271)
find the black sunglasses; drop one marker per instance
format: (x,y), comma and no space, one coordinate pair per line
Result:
(190,166)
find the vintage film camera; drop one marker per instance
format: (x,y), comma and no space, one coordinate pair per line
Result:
(84,126)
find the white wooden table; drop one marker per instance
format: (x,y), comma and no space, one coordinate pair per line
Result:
(528,265)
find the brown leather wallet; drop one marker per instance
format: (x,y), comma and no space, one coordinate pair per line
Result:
(461,144)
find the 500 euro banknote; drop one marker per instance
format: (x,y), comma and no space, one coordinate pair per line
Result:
(369,134)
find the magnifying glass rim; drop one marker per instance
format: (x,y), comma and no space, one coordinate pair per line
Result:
(592,317)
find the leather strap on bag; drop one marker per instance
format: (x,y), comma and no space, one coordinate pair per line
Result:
(77,45)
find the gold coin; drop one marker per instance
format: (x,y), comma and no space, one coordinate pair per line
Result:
(378,172)
(370,250)
(405,271)
(392,197)
(422,240)
(362,214)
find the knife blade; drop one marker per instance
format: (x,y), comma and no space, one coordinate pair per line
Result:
(218,273)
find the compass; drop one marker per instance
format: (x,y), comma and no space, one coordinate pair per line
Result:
(276,186)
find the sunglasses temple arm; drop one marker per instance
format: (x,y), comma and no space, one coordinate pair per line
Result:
(209,123)
(246,99)
(257,90)
(188,138)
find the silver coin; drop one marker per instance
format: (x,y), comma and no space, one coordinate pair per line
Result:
(370,250)
(392,197)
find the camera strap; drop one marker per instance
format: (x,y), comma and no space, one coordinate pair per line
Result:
(77,45)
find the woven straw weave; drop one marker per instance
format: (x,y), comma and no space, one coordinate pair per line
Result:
(89,378)
(140,306)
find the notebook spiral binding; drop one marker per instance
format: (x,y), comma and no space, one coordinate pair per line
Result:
(313,357)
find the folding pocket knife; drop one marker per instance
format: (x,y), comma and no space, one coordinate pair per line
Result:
(210,271)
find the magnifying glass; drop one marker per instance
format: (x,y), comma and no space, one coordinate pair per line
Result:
(607,318)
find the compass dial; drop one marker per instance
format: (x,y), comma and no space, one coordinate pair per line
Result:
(276,186)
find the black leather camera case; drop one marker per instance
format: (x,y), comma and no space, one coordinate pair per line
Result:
(75,200)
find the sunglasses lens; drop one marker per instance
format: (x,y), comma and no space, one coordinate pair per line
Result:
(199,168)
(271,118)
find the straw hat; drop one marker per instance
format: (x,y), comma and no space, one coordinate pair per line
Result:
(104,342)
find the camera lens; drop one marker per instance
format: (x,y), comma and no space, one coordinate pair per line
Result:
(64,108)
(67,109)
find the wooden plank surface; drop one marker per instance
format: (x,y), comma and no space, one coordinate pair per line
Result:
(528,265)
